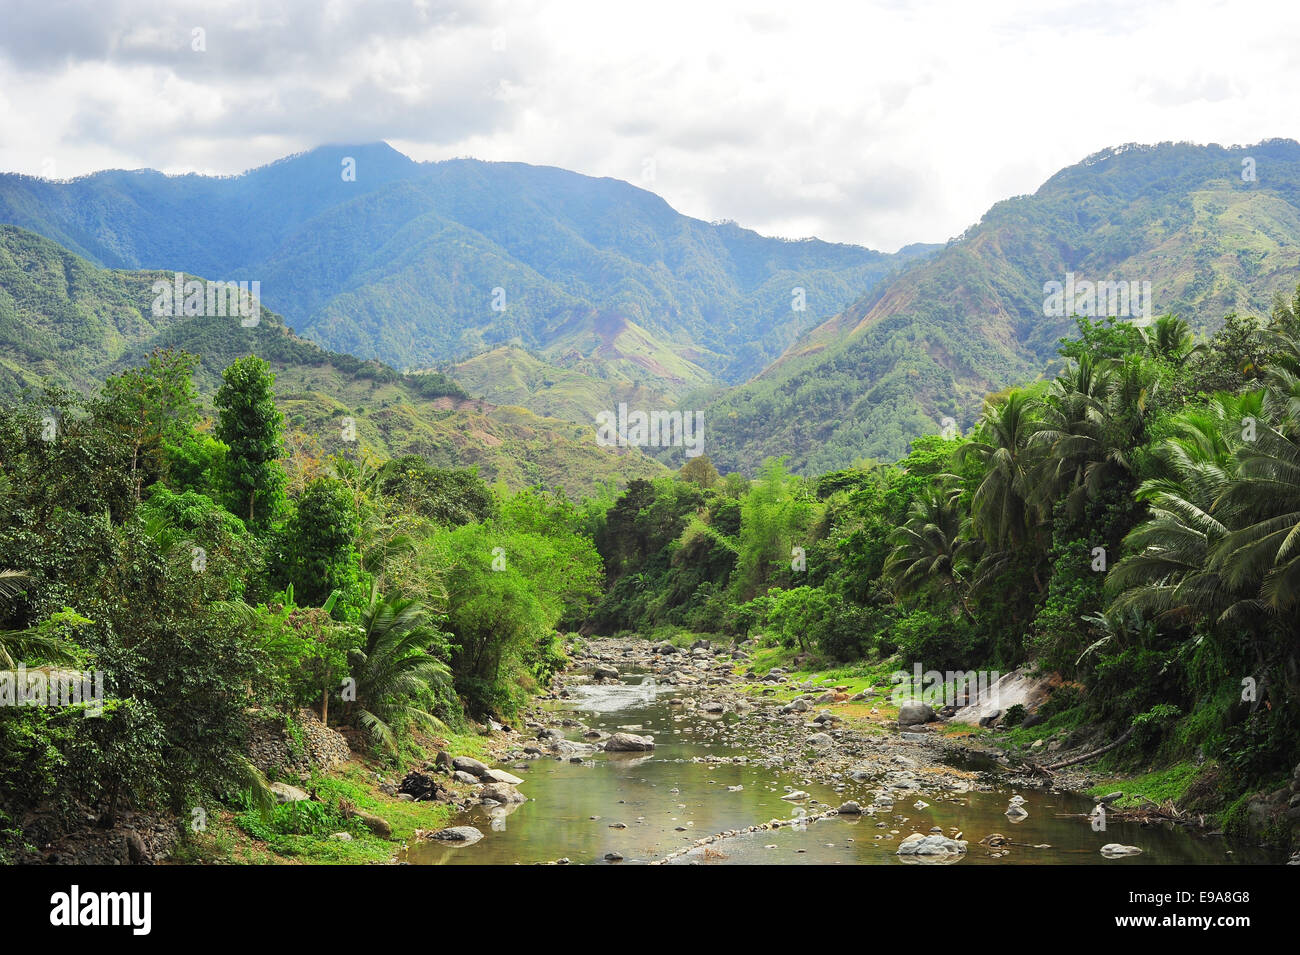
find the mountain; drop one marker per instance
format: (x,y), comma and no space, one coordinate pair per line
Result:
(419,264)
(65,320)
(931,342)
(510,375)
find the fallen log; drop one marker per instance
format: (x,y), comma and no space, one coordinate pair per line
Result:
(1095,753)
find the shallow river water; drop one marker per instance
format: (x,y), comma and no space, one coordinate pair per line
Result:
(644,806)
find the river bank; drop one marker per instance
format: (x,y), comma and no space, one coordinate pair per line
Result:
(665,754)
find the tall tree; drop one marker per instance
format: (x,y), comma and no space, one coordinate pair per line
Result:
(250,425)
(152,407)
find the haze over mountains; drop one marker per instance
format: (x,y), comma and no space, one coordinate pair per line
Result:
(606,294)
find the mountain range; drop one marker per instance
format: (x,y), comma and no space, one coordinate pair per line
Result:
(65,321)
(371,253)
(550,296)
(933,341)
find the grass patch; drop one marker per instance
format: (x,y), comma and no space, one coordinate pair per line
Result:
(1158,785)
(302,834)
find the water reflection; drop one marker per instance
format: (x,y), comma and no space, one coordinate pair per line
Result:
(644,806)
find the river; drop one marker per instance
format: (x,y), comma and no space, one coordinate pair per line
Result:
(642,807)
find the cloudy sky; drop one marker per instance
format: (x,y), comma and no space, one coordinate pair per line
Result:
(879,123)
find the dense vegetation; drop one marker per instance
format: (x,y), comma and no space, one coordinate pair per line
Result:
(182,553)
(1130,524)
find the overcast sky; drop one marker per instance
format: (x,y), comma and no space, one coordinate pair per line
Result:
(877,123)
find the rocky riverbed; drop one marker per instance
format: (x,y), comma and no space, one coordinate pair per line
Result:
(660,754)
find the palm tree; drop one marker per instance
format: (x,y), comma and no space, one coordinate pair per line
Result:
(12,583)
(31,643)
(393,668)
(932,546)
(1072,432)
(1006,509)
(1170,340)
(1170,574)
(1094,414)
(1000,510)
(1263,550)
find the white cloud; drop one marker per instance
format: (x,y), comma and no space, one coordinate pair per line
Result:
(879,123)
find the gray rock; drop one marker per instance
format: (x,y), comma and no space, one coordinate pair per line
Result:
(500,792)
(465,835)
(469,765)
(920,845)
(286,793)
(605,673)
(850,808)
(500,776)
(1114,850)
(463,777)
(628,743)
(914,713)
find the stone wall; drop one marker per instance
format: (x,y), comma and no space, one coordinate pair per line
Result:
(278,754)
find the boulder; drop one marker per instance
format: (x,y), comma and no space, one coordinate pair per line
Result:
(1114,850)
(500,792)
(850,808)
(605,673)
(463,835)
(286,793)
(568,747)
(914,713)
(469,765)
(934,845)
(500,776)
(375,824)
(629,743)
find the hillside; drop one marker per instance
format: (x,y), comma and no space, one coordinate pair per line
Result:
(65,320)
(403,263)
(970,320)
